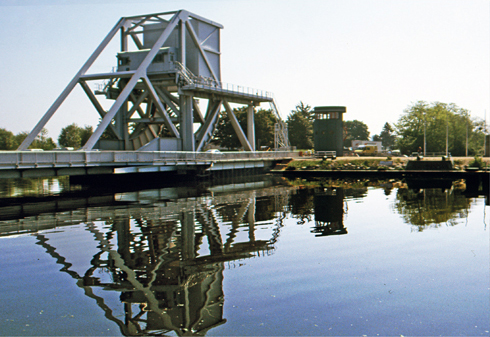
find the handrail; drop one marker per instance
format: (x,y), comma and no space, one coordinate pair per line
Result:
(430,154)
(189,79)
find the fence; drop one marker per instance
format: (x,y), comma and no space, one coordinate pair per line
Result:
(431,154)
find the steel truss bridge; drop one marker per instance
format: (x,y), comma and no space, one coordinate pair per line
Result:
(168,68)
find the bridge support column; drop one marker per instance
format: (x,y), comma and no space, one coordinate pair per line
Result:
(186,123)
(188,236)
(251,127)
(122,126)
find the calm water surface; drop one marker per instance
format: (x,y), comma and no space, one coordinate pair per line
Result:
(257,258)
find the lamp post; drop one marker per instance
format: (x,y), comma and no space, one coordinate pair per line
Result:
(485,140)
(447,133)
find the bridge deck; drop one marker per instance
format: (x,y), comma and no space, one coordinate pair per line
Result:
(26,164)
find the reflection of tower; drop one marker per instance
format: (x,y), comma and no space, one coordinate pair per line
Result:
(329,213)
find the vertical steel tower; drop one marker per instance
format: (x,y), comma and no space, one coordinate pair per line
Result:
(166,62)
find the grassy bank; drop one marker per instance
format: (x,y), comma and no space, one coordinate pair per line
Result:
(376,163)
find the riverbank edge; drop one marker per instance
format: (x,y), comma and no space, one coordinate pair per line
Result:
(375,164)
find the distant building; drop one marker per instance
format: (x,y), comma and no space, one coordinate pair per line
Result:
(357,143)
(328,128)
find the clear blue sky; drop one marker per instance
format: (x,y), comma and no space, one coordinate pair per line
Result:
(376,57)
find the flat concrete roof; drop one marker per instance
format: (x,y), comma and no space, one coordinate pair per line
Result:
(325,109)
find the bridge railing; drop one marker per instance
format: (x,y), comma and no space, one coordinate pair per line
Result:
(431,154)
(40,159)
(194,81)
(234,88)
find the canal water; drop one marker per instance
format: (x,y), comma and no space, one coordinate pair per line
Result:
(264,257)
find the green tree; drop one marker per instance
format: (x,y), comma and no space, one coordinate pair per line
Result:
(70,136)
(19,138)
(434,208)
(7,140)
(264,128)
(441,121)
(264,120)
(10,142)
(355,130)
(387,136)
(300,126)
(85,133)
(42,141)
(74,136)
(225,134)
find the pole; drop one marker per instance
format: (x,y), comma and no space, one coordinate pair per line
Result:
(485,136)
(425,131)
(447,134)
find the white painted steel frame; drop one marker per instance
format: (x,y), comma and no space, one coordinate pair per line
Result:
(40,125)
(127,26)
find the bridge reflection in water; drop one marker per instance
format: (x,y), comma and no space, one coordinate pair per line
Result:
(163,252)
(166,258)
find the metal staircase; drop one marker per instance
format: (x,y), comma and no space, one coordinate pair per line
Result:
(145,136)
(281,139)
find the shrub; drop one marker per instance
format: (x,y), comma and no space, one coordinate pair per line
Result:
(477,162)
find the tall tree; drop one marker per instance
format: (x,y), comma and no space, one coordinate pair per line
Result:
(387,136)
(85,133)
(74,136)
(42,141)
(300,126)
(226,137)
(19,138)
(442,122)
(10,142)
(355,130)
(70,136)
(264,128)
(7,140)
(225,134)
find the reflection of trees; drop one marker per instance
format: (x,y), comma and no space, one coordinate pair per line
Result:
(33,186)
(302,204)
(431,207)
(355,193)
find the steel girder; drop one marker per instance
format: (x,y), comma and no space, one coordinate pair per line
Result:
(149,105)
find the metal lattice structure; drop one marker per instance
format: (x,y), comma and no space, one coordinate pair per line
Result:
(167,62)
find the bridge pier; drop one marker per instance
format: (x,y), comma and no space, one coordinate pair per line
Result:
(187,120)
(251,126)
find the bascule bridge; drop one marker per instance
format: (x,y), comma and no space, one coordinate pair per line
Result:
(166,90)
